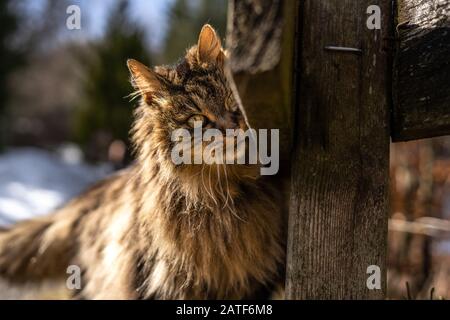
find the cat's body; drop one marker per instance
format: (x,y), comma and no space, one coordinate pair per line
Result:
(156,230)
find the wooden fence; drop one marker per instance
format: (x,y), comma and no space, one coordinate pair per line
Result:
(338,89)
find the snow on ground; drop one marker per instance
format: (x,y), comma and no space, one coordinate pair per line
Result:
(34,181)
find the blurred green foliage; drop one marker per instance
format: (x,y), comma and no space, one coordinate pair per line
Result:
(91,106)
(10,59)
(103,109)
(186,19)
(105,106)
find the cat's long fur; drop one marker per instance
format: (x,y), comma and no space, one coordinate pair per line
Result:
(156,230)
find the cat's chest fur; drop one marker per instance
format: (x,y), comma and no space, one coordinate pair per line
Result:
(192,250)
(163,246)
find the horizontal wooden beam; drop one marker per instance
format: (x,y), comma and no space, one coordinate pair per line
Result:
(422,70)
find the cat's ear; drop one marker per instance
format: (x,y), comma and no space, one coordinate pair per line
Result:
(209,47)
(144,80)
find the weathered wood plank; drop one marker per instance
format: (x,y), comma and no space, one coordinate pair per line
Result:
(260,42)
(339,189)
(422,73)
(255,52)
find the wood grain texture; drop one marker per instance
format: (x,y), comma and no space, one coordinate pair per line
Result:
(422,74)
(339,188)
(255,52)
(260,43)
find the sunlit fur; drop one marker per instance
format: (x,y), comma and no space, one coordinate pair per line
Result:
(157,230)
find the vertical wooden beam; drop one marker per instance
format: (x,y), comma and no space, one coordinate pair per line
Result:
(339,188)
(260,42)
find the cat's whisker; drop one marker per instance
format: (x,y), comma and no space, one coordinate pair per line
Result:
(134,95)
(227,191)
(205,187)
(210,185)
(232,208)
(227,186)
(219,181)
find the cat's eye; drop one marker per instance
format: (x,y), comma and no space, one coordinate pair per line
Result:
(196,121)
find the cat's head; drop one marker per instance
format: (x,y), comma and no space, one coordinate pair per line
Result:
(195,91)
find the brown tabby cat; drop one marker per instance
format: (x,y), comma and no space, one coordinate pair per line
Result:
(158,230)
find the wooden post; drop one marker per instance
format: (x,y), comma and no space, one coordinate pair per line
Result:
(339,190)
(261,41)
(422,73)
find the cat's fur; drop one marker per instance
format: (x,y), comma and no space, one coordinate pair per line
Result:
(157,230)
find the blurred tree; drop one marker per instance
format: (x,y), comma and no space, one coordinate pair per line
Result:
(186,19)
(39,115)
(37,35)
(10,59)
(104,114)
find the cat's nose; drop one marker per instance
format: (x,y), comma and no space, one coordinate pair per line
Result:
(227,124)
(235,125)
